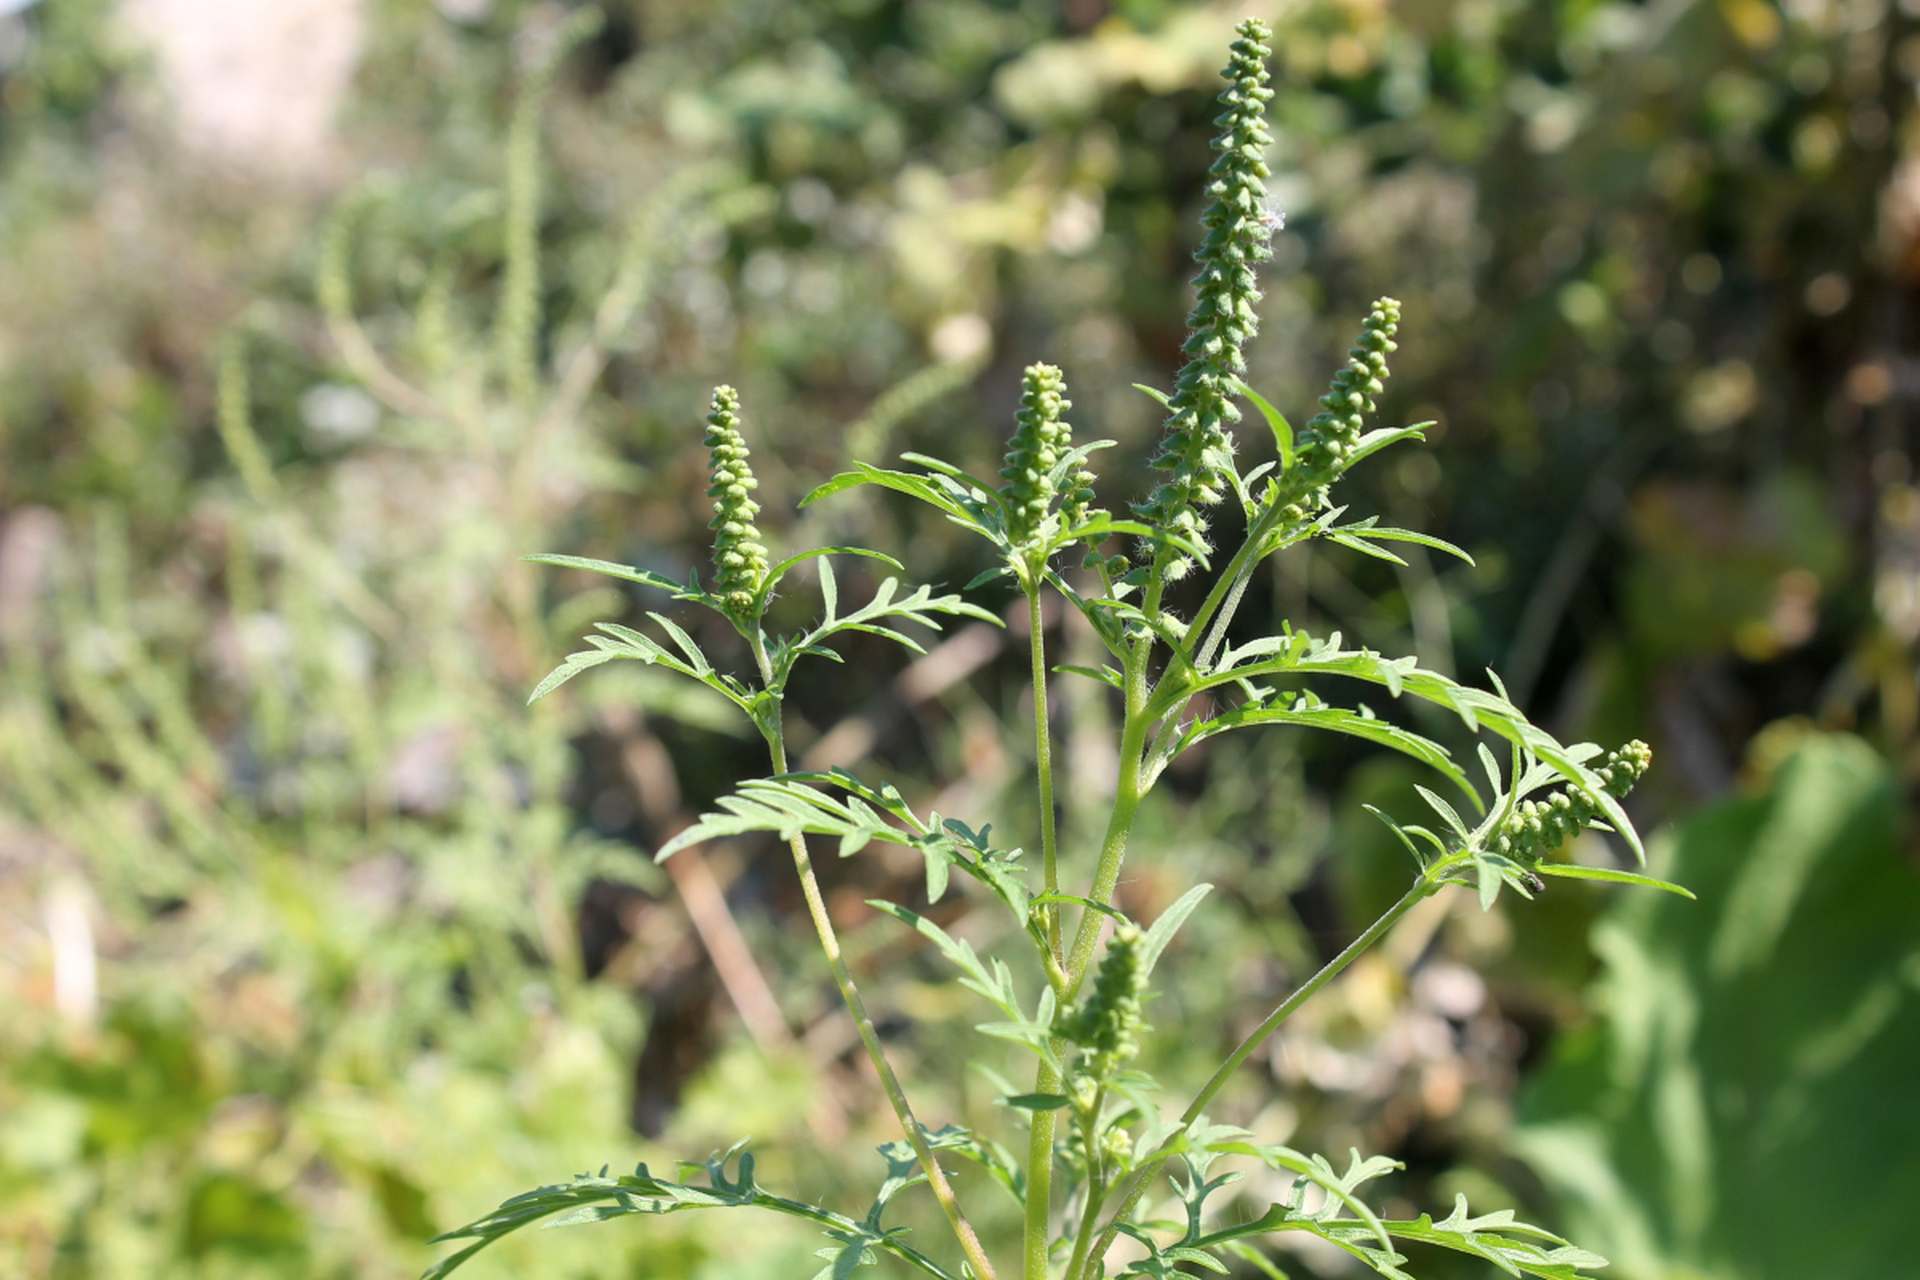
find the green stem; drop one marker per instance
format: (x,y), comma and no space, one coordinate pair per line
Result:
(1043,765)
(1137,1182)
(1222,602)
(1096,1185)
(1040,1139)
(1126,805)
(1035,1238)
(869,1034)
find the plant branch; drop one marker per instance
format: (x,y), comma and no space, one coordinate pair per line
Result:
(856,1006)
(1096,1186)
(1137,1182)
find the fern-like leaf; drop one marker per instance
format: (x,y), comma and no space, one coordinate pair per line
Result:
(599,1198)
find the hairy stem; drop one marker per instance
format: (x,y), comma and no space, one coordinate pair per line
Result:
(1043,766)
(857,1008)
(1126,805)
(1136,1184)
(1040,1140)
(1035,1233)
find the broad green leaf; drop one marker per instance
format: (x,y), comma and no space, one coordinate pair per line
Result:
(1744,1102)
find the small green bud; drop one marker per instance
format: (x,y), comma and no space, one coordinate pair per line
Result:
(739,554)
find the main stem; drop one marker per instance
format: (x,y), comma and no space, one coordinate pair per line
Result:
(1043,766)
(1126,804)
(869,1034)
(1034,1239)
(1137,1182)
(1039,1220)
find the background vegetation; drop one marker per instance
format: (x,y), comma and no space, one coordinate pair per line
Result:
(315,942)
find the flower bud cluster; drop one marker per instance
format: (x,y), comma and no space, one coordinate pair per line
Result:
(1197,451)
(1040,437)
(739,554)
(1538,827)
(1326,443)
(1106,1025)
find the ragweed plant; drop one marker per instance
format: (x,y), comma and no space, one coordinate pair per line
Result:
(1101,1150)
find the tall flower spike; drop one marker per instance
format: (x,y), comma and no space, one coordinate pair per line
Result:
(1197,451)
(1328,439)
(1040,437)
(1538,827)
(739,555)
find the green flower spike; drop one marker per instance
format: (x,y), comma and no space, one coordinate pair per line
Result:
(1106,1025)
(1039,438)
(739,555)
(1538,827)
(1197,450)
(1328,439)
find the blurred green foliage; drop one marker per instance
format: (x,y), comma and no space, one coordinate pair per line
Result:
(1741,1109)
(372,946)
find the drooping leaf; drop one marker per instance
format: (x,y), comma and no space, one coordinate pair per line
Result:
(688,590)
(1573,871)
(1312,714)
(597,1199)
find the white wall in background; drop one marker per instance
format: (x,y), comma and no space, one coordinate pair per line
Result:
(255,83)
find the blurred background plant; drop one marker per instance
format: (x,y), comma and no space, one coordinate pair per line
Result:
(314,941)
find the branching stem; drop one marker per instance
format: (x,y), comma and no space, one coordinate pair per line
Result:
(1096,1186)
(857,1008)
(1131,1190)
